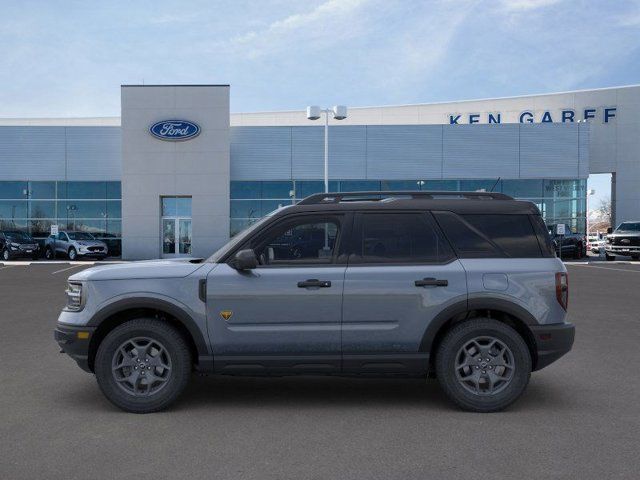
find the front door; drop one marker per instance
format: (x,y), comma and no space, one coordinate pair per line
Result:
(62,243)
(285,314)
(400,276)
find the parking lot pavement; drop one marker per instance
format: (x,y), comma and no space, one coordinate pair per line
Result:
(580,418)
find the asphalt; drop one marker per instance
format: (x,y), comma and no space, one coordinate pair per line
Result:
(579,419)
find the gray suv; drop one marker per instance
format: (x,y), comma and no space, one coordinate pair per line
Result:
(74,245)
(461,286)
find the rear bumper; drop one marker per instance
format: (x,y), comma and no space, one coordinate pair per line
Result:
(73,345)
(552,342)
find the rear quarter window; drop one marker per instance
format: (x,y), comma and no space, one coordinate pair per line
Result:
(490,235)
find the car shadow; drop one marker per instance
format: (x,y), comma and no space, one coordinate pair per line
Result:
(227,392)
(315,392)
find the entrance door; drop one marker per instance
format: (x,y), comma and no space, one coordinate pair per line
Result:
(176,236)
(176,226)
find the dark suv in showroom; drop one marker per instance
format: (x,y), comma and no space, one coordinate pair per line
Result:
(14,244)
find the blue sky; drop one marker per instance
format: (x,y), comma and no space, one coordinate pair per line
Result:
(68,58)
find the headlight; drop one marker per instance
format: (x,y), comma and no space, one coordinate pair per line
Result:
(75,301)
(14,246)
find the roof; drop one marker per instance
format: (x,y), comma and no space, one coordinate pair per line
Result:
(457,202)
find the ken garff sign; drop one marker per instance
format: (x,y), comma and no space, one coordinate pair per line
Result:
(174,130)
(568,115)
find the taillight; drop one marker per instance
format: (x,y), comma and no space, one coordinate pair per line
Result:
(562,289)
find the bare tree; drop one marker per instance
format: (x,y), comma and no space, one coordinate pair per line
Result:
(604,210)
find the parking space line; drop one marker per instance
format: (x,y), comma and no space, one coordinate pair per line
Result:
(605,268)
(69,268)
(7,266)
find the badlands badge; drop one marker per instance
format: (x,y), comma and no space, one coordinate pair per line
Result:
(226,314)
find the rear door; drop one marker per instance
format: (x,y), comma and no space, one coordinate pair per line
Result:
(401,274)
(284,315)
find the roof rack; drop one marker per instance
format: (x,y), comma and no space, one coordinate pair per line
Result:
(323,198)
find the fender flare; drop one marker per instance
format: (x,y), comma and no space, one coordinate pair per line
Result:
(464,307)
(175,311)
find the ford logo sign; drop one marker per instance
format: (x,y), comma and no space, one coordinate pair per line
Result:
(174,130)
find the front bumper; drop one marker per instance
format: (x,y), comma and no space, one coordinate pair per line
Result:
(622,250)
(92,253)
(75,341)
(552,342)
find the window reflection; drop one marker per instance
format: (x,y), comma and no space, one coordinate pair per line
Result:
(33,206)
(559,200)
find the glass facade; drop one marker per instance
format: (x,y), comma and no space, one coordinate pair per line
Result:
(93,207)
(560,201)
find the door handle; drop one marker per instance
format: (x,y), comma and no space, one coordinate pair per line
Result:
(313,282)
(431,282)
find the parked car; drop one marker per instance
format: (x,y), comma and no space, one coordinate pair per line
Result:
(572,244)
(74,245)
(625,240)
(462,286)
(15,244)
(597,245)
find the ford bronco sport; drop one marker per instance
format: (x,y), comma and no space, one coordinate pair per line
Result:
(462,286)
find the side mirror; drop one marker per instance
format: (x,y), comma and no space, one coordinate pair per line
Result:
(245,260)
(609,230)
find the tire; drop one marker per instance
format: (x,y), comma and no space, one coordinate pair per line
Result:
(73,255)
(6,255)
(610,258)
(514,379)
(48,253)
(635,257)
(160,335)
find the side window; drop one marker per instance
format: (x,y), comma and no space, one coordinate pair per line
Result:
(542,233)
(513,234)
(400,238)
(306,240)
(468,241)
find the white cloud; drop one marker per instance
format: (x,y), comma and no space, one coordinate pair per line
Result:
(526,5)
(326,24)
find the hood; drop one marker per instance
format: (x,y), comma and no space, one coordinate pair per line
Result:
(151,269)
(91,243)
(624,233)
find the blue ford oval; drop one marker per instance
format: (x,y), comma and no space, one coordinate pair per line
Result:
(174,130)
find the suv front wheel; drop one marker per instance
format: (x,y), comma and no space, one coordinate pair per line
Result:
(483,365)
(143,365)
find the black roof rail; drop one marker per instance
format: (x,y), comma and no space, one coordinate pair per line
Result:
(323,198)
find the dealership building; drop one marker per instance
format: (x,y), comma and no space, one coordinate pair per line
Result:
(178,174)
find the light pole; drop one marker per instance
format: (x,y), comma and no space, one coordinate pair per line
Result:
(314,112)
(589,193)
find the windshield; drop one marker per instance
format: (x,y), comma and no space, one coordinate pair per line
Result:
(241,237)
(80,236)
(19,237)
(629,227)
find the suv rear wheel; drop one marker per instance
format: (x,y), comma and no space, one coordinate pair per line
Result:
(143,365)
(483,365)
